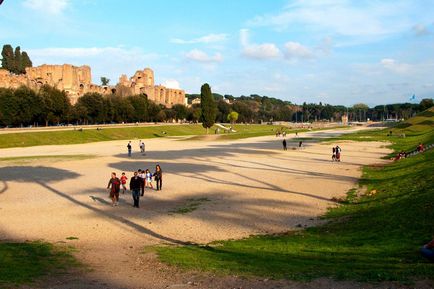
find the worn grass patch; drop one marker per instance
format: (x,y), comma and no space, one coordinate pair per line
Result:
(190,206)
(51,158)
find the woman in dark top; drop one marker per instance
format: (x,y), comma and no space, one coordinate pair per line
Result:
(158,176)
(114,184)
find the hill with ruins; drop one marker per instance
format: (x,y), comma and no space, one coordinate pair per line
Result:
(77,81)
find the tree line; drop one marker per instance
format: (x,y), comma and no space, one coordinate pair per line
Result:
(15,61)
(50,106)
(257,109)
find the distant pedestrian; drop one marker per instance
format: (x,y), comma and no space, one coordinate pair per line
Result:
(158,176)
(284,144)
(142,148)
(141,175)
(135,185)
(334,154)
(296,134)
(338,153)
(124,182)
(114,185)
(129,148)
(148,179)
(300,144)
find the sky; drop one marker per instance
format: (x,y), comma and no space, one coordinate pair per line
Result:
(329,51)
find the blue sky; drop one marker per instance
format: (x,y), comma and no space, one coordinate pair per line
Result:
(333,51)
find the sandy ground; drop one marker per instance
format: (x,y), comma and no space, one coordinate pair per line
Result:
(251,186)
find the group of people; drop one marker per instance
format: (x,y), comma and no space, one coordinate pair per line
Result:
(419,149)
(140,180)
(336,154)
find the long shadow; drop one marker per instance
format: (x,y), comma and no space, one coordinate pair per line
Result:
(46,175)
(198,170)
(5,187)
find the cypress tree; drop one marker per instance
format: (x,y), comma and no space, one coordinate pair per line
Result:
(26,62)
(208,107)
(17,61)
(8,58)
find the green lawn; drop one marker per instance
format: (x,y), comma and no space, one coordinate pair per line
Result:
(22,263)
(369,238)
(126,133)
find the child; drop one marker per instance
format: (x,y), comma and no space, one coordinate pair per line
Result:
(124,182)
(148,179)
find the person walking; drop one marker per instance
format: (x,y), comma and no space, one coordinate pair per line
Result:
(148,179)
(141,175)
(124,182)
(284,144)
(143,148)
(114,184)
(338,154)
(129,148)
(333,154)
(135,185)
(158,176)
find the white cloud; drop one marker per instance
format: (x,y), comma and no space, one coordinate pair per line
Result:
(172,83)
(89,52)
(420,30)
(53,7)
(201,56)
(257,51)
(210,38)
(394,66)
(296,50)
(365,20)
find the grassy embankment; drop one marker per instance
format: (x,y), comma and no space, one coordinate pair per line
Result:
(21,263)
(126,133)
(373,237)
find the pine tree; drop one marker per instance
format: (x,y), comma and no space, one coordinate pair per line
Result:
(8,57)
(26,62)
(17,61)
(208,107)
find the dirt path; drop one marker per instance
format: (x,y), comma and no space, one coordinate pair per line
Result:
(240,188)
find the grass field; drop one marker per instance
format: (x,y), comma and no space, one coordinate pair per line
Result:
(125,133)
(21,263)
(373,237)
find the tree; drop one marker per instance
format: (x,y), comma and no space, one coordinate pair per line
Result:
(56,105)
(208,107)
(18,63)
(426,103)
(25,62)
(104,80)
(92,104)
(361,109)
(232,117)
(8,59)
(181,111)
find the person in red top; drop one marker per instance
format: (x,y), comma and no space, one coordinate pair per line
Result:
(124,179)
(428,250)
(114,184)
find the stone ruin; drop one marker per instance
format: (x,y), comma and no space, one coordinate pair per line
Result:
(76,81)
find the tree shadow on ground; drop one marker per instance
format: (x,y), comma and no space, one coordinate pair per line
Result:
(44,176)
